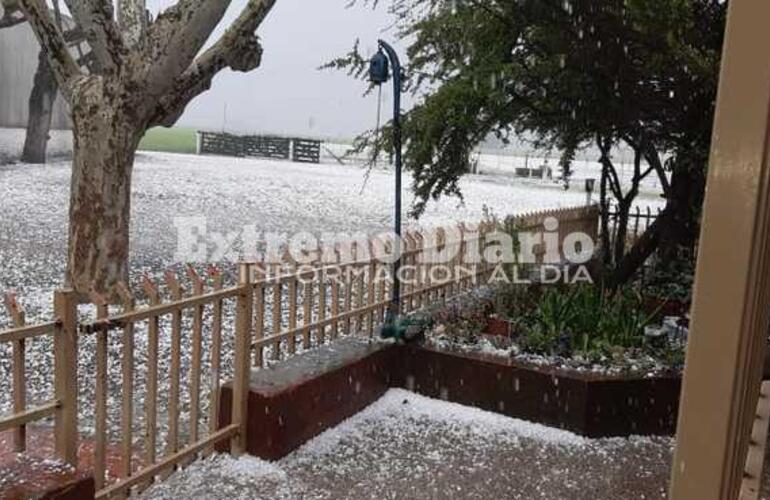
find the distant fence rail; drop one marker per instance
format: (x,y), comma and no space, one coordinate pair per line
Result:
(306,151)
(273,311)
(259,146)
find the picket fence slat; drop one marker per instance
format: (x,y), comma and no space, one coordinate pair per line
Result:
(151,407)
(172,443)
(100,395)
(19,382)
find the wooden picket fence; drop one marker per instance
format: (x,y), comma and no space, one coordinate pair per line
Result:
(63,407)
(301,306)
(177,451)
(279,309)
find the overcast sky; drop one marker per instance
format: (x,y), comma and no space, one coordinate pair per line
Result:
(288,94)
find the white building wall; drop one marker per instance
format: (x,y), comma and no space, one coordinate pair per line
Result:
(18,62)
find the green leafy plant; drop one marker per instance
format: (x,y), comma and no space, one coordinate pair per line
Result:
(582,322)
(514,302)
(461,323)
(585,320)
(670,281)
(554,313)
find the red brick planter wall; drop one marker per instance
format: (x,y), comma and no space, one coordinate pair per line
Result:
(646,406)
(283,415)
(496,385)
(290,404)
(587,404)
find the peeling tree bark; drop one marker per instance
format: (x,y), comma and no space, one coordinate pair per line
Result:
(9,21)
(96,19)
(106,136)
(41,102)
(132,18)
(63,65)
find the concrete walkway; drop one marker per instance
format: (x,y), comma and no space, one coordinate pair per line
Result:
(406,446)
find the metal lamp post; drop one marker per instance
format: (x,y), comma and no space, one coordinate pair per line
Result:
(378,74)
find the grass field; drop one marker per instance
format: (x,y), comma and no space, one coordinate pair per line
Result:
(169,140)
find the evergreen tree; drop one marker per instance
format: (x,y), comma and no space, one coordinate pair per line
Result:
(567,74)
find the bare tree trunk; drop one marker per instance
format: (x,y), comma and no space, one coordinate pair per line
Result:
(679,237)
(41,102)
(605,218)
(138,78)
(106,135)
(621,230)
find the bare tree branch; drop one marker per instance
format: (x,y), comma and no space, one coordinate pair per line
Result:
(653,159)
(604,148)
(177,36)
(238,49)
(637,166)
(11,14)
(64,67)
(236,43)
(96,18)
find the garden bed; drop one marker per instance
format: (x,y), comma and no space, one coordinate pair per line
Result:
(580,329)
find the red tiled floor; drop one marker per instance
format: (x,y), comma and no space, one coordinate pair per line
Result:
(40,445)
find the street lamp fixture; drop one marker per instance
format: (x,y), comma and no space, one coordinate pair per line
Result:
(379,65)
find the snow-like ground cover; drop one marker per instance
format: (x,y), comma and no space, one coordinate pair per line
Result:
(274,196)
(503,163)
(229,193)
(406,446)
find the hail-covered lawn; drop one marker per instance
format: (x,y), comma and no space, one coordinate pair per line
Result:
(406,446)
(228,194)
(273,196)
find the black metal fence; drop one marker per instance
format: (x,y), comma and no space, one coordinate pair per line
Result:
(260,146)
(638,222)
